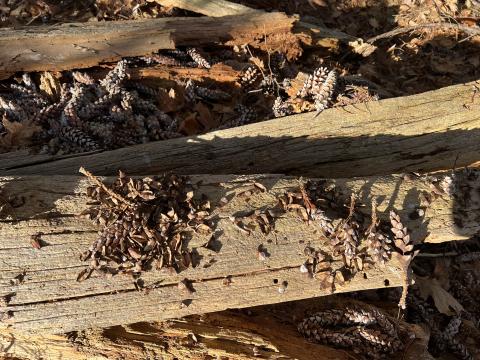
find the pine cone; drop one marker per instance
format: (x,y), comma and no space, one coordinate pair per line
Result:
(198,58)
(324,94)
(162,60)
(77,137)
(313,83)
(83,78)
(115,77)
(249,77)
(209,94)
(364,330)
(190,92)
(402,239)
(281,108)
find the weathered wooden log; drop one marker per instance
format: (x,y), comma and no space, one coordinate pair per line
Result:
(82,45)
(228,334)
(213,8)
(267,332)
(436,130)
(310,34)
(42,294)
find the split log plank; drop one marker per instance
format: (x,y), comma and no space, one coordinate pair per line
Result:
(218,72)
(431,131)
(269,332)
(82,45)
(49,299)
(228,334)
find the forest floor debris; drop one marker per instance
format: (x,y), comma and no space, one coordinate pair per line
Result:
(146,224)
(71,112)
(420,45)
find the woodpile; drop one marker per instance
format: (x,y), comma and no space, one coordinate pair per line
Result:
(148,211)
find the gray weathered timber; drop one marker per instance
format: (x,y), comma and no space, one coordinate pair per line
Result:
(48,297)
(436,130)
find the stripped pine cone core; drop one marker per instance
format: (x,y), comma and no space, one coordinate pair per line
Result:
(145,223)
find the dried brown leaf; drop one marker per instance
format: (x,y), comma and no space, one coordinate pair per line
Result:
(50,84)
(18,134)
(134,254)
(170,101)
(205,117)
(84,274)
(190,125)
(444,301)
(260,186)
(362,48)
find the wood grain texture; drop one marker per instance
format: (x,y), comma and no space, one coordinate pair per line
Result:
(310,34)
(426,132)
(82,45)
(230,334)
(218,72)
(269,332)
(49,299)
(213,8)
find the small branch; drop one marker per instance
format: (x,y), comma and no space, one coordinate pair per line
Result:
(466,29)
(113,194)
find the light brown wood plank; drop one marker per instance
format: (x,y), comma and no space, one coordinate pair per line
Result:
(82,45)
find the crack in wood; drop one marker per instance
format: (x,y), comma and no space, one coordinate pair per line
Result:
(133,289)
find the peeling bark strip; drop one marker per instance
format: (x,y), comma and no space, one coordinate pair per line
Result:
(426,132)
(82,45)
(44,296)
(222,72)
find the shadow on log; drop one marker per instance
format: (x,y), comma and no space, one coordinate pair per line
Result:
(432,131)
